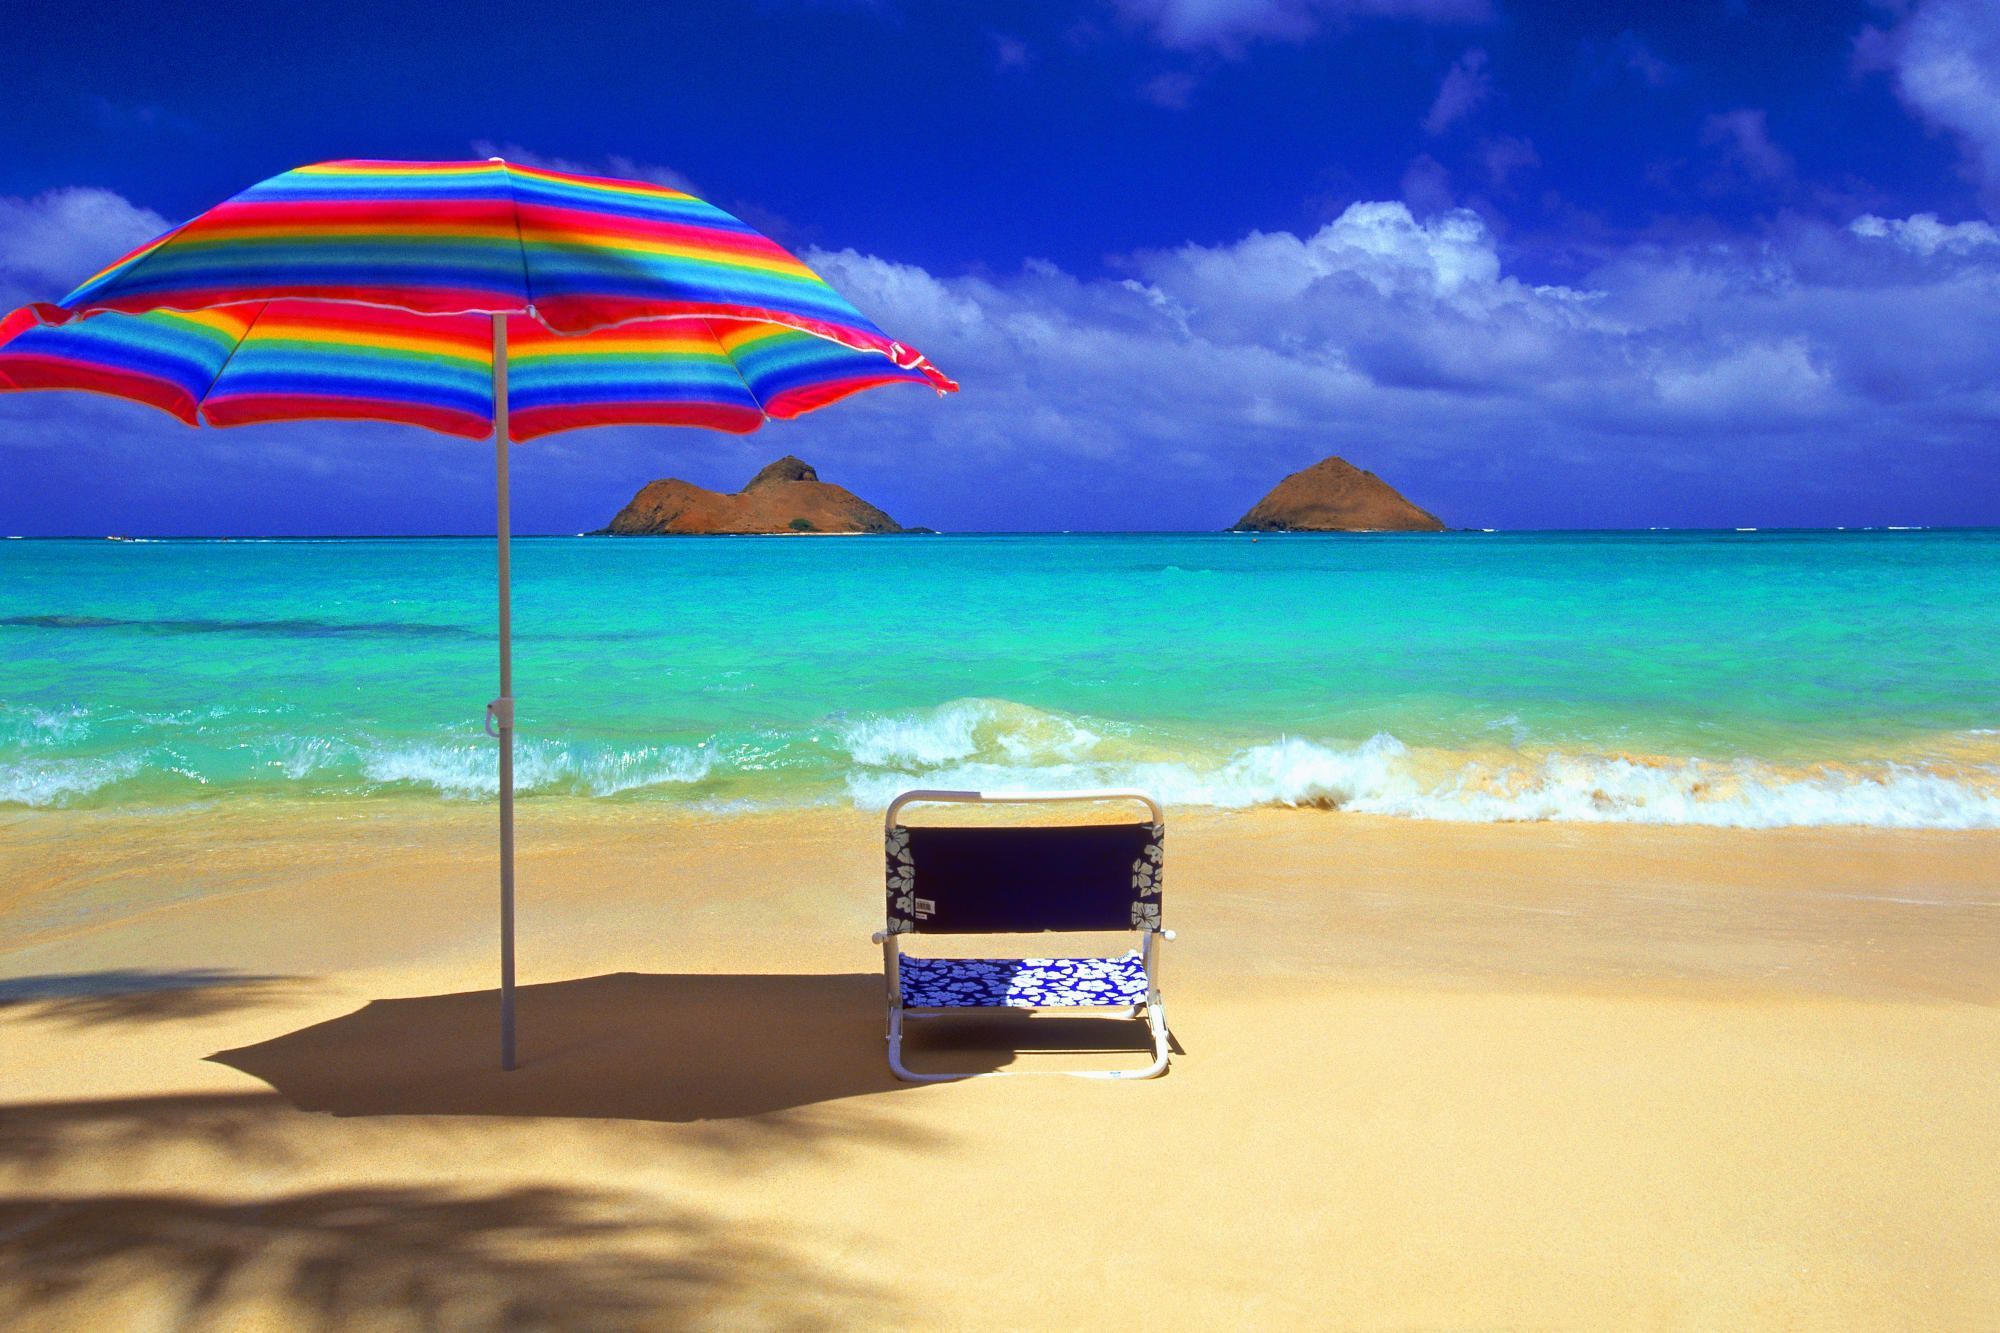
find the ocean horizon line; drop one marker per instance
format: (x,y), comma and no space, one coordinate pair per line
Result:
(1735,530)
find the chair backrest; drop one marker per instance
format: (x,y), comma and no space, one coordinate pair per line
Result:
(1011,879)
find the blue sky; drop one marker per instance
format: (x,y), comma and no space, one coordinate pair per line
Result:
(1538,264)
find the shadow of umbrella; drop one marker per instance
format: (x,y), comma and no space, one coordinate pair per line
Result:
(629,1046)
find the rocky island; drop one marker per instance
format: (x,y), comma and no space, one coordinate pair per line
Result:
(787,496)
(1333,495)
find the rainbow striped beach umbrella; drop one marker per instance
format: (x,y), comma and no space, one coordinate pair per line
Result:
(471,298)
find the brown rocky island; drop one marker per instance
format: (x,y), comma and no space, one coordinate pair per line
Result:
(1333,495)
(787,496)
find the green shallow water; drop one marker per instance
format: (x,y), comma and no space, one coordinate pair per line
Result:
(1760,678)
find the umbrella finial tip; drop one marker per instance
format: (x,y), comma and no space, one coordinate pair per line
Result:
(500,160)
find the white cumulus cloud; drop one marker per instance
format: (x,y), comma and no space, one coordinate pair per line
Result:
(1408,341)
(1466,84)
(53,241)
(1945,59)
(1745,136)
(1923,234)
(1170,389)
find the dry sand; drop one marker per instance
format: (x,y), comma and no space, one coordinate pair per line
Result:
(1430,1076)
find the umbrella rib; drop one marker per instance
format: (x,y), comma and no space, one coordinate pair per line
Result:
(200,404)
(520,242)
(152,247)
(730,357)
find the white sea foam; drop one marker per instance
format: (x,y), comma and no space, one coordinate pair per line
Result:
(936,737)
(300,757)
(1383,776)
(28,726)
(963,729)
(1288,772)
(49,782)
(469,769)
(1732,794)
(996,744)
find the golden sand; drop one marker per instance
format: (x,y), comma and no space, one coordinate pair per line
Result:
(1430,1075)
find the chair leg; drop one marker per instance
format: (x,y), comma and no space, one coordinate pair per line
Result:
(904,1072)
(1156,1023)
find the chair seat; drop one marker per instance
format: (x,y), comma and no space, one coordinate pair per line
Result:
(1022,983)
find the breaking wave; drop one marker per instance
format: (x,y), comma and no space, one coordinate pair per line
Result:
(964,728)
(68,757)
(170,755)
(43,782)
(469,770)
(1384,776)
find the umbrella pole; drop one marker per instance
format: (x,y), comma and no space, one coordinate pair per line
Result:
(501,710)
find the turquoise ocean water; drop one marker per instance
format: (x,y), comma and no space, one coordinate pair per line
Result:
(1755,679)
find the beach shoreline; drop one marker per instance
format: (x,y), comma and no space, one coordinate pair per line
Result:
(1821,679)
(1429,1074)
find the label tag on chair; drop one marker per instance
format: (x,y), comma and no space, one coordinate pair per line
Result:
(925,906)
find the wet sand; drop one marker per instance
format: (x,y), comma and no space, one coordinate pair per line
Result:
(1430,1075)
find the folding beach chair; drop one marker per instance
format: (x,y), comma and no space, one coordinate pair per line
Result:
(1010,879)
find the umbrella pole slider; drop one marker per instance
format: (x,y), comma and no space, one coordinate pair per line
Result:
(500,714)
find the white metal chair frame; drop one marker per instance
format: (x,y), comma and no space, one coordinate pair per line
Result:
(1153,1007)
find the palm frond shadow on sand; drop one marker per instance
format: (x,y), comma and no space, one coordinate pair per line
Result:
(421,1257)
(133,996)
(627,1046)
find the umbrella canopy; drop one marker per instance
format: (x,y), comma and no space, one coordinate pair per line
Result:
(364,290)
(288,360)
(470,298)
(438,238)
